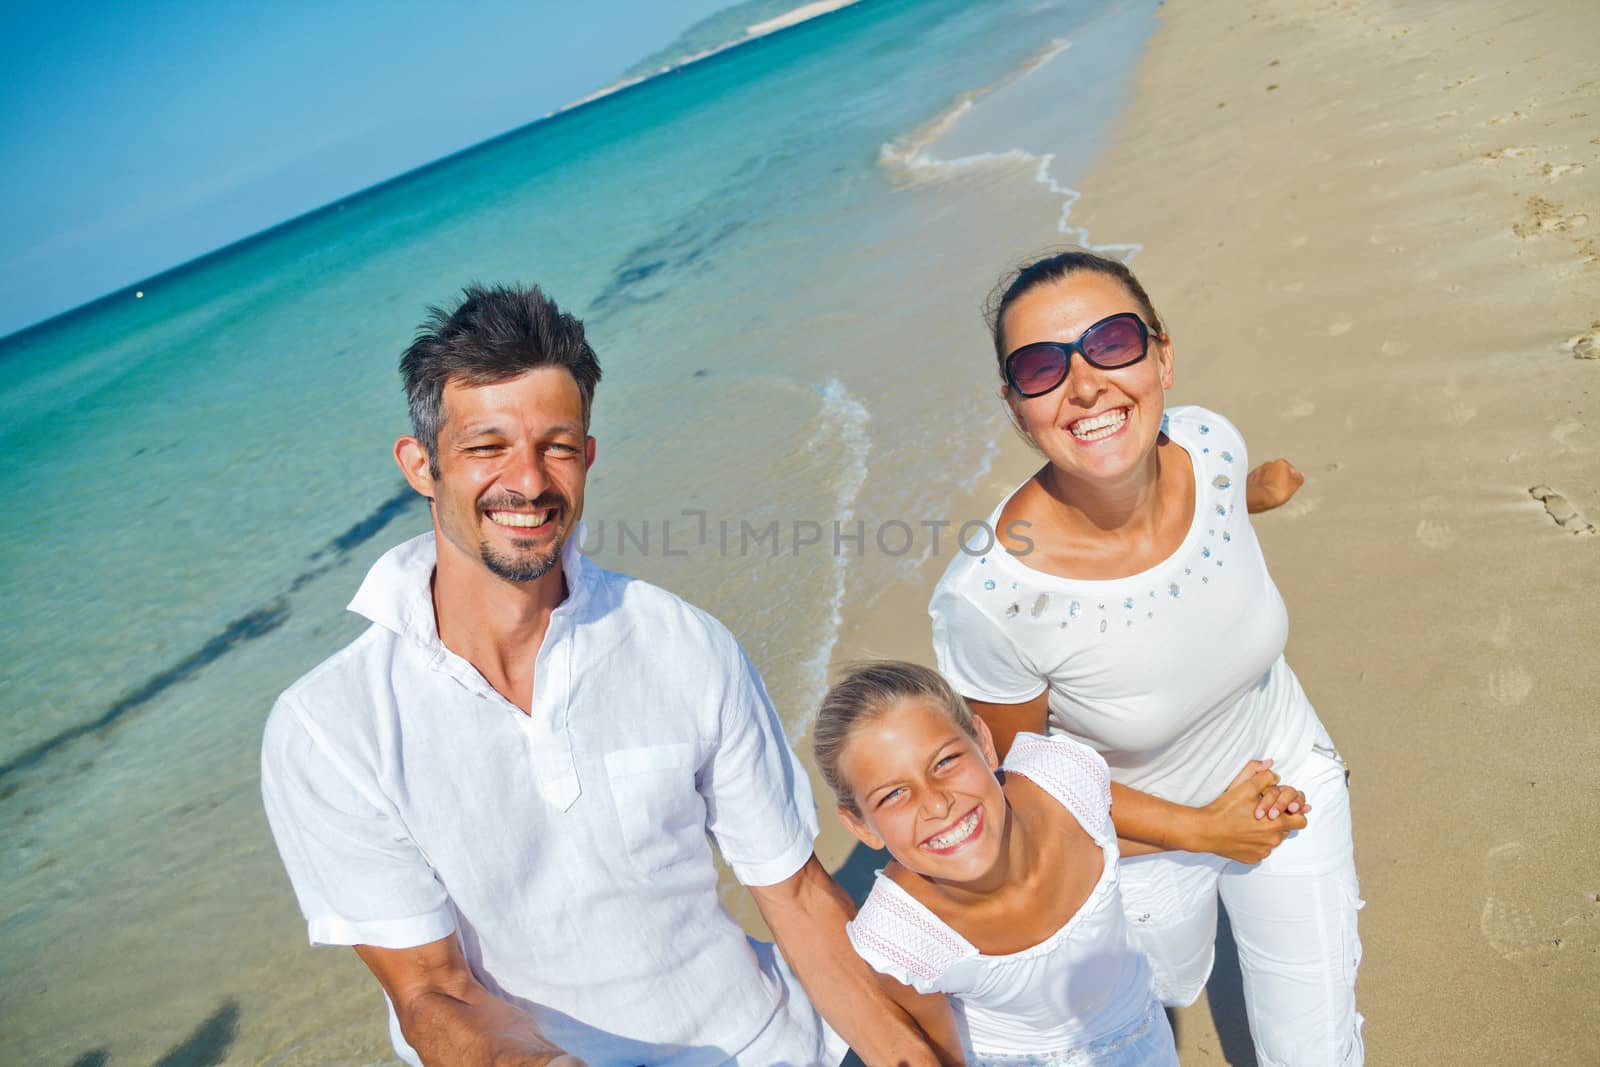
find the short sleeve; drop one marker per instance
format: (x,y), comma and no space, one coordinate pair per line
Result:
(976,655)
(1205,425)
(358,877)
(758,799)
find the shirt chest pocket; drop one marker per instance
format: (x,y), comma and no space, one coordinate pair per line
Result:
(661,814)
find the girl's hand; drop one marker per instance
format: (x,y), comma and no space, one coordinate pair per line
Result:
(1271,485)
(1231,827)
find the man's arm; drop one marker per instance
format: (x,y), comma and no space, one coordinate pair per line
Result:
(807,912)
(449,1018)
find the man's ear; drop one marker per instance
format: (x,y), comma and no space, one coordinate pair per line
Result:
(986,742)
(588,453)
(857,826)
(413,461)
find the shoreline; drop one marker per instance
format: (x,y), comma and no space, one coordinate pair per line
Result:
(1391,295)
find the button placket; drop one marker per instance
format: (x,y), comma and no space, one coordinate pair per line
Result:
(551,740)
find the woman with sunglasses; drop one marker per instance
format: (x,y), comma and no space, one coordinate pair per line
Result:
(1123,600)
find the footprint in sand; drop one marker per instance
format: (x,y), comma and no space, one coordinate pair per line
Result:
(1339,328)
(1509,152)
(1564,431)
(1509,116)
(1394,348)
(1301,506)
(1507,925)
(1510,686)
(1299,408)
(1504,628)
(1517,921)
(1435,534)
(1458,411)
(1555,171)
(1546,217)
(1561,511)
(1586,345)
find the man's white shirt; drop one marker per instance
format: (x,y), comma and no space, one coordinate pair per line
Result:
(568,847)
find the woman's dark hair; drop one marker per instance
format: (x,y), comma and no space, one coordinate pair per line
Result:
(495,334)
(1053,268)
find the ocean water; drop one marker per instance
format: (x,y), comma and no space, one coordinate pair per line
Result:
(779,254)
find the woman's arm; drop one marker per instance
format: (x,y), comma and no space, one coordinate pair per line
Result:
(1251,817)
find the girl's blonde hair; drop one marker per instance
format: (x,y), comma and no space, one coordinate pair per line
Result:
(866,691)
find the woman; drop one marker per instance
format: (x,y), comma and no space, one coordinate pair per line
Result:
(1125,602)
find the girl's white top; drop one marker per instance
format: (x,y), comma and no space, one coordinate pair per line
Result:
(1082,995)
(1175,675)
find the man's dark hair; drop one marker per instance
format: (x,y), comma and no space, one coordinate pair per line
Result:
(497,333)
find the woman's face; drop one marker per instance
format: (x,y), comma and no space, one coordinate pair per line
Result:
(1097,426)
(926,791)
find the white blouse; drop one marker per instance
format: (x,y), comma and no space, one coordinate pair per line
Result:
(1082,995)
(1175,675)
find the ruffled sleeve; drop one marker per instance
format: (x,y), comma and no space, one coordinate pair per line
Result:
(1072,772)
(900,938)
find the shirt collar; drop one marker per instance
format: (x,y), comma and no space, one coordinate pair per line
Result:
(397,592)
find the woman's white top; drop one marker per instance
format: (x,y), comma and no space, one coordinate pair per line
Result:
(1082,995)
(1175,675)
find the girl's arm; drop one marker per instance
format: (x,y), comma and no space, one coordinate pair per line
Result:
(1252,816)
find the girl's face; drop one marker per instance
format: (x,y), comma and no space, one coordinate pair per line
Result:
(1097,426)
(926,791)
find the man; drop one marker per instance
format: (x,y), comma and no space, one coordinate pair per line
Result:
(500,793)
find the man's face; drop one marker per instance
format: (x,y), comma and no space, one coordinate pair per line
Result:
(512,460)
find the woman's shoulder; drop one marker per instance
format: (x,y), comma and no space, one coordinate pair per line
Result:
(1191,423)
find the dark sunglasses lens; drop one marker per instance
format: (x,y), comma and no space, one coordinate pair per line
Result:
(1038,368)
(1114,344)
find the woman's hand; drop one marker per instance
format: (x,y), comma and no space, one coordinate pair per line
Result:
(1240,825)
(1271,485)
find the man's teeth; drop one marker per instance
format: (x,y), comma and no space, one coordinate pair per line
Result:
(957,833)
(517,518)
(1098,426)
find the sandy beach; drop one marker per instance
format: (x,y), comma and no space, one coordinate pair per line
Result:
(1371,228)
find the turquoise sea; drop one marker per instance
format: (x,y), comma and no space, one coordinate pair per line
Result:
(779,252)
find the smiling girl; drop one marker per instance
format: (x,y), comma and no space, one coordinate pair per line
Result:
(1003,888)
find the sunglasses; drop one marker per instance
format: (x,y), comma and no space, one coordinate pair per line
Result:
(1116,341)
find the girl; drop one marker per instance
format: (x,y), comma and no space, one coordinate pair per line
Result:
(1126,603)
(1003,889)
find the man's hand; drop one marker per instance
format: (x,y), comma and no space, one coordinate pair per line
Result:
(806,913)
(1271,485)
(449,1018)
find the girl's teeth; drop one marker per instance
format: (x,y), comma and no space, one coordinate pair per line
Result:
(956,833)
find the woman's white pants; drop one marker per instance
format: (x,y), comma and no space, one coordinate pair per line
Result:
(1293,917)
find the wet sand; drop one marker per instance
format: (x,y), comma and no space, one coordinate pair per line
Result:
(1374,232)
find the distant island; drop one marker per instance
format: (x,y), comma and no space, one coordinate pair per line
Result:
(716,33)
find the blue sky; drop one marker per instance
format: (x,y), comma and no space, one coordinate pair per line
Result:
(141,134)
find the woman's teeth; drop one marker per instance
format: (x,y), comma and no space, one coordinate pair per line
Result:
(517,518)
(1097,426)
(956,834)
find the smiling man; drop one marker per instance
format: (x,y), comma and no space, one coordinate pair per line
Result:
(500,794)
